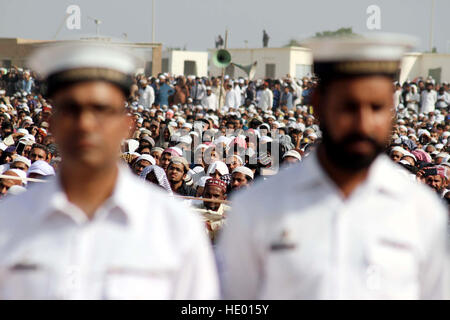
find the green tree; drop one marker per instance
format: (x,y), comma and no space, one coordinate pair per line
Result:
(293,43)
(338,33)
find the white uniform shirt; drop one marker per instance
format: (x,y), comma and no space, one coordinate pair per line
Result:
(266,100)
(146,96)
(295,237)
(141,244)
(429,100)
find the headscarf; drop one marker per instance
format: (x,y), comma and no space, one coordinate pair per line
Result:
(160,176)
(421,155)
(410,144)
(146,157)
(442,171)
(174,151)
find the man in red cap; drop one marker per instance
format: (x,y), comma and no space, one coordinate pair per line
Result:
(215,189)
(213,212)
(438,181)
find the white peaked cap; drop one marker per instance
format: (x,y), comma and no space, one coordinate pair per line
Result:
(370,47)
(81,54)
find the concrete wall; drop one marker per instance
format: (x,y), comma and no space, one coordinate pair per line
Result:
(410,66)
(17,50)
(436,60)
(178,57)
(418,65)
(299,56)
(285,60)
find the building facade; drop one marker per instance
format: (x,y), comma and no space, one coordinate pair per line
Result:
(15,51)
(271,62)
(181,62)
(415,65)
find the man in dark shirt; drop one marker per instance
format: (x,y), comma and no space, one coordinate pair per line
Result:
(164,92)
(176,173)
(276,95)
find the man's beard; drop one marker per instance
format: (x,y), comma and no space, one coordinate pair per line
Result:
(349,161)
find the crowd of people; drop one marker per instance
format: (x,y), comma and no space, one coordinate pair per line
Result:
(204,142)
(338,181)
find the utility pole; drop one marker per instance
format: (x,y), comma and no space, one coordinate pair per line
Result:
(433,3)
(222,81)
(153,21)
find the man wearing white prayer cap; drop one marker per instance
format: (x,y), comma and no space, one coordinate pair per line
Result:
(397,153)
(21,174)
(217,169)
(156,153)
(21,163)
(441,157)
(6,184)
(233,162)
(291,157)
(143,161)
(96,219)
(346,224)
(241,177)
(39,169)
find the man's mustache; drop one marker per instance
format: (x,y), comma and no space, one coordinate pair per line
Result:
(354,138)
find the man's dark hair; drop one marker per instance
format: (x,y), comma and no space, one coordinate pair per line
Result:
(53,149)
(294,131)
(7,125)
(185,170)
(283,129)
(142,147)
(40,146)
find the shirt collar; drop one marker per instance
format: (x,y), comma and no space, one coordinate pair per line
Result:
(381,168)
(52,199)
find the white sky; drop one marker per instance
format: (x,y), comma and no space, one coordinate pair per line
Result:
(195,23)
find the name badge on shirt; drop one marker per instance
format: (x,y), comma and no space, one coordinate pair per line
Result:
(284,243)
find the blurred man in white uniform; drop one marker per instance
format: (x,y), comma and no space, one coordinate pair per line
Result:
(95,231)
(344,223)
